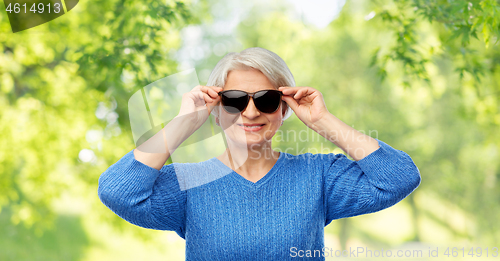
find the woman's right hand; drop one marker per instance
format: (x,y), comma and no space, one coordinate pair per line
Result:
(197,104)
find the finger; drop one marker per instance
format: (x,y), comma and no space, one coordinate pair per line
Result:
(207,98)
(212,105)
(304,92)
(216,88)
(289,90)
(214,101)
(299,94)
(209,91)
(201,97)
(292,90)
(291,102)
(295,92)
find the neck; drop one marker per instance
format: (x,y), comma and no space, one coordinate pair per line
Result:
(248,159)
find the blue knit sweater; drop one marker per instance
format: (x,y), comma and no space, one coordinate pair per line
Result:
(280,217)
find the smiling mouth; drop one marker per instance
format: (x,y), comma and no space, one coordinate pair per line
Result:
(251,126)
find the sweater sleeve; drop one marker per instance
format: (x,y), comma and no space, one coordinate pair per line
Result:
(378,181)
(144,196)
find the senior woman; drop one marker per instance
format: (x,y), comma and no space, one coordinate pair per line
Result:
(271,205)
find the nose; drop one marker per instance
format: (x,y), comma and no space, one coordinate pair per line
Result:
(251,111)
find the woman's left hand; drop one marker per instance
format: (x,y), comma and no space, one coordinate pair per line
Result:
(306,102)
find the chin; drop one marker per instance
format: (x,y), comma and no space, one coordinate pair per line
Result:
(249,142)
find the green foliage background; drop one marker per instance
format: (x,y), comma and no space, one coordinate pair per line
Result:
(422,76)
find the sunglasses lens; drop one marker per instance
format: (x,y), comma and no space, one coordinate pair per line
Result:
(267,101)
(234,101)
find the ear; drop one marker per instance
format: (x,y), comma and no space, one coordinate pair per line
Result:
(215,111)
(284,107)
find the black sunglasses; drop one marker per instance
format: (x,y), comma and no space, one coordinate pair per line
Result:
(266,101)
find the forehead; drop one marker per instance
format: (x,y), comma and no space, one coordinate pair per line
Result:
(250,80)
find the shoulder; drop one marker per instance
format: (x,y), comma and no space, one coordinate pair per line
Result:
(328,166)
(318,163)
(313,158)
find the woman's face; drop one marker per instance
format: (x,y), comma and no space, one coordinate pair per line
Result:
(251,80)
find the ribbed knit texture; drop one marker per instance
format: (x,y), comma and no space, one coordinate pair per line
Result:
(232,218)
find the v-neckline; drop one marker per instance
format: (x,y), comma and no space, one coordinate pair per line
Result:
(272,172)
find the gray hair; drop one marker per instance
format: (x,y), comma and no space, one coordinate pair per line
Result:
(269,63)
